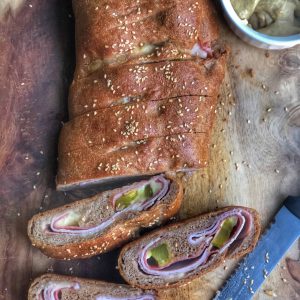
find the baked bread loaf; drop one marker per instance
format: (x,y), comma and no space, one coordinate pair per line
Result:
(141,68)
(107,220)
(58,287)
(181,252)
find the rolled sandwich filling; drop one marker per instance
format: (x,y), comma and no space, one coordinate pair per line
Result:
(202,50)
(53,291)
(136,197)
(158,258)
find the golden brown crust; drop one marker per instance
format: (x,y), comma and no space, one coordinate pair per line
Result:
(109,85)
(137,121)
(103,28)
(148,156)
(124,230)
(254,238)
(140,52)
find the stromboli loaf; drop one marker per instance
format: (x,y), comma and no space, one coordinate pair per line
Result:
(181,252)
(132,54)
(148,156)
(107,220)
(107,30)
(58,287)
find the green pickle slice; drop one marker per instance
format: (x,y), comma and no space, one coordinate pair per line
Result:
(224,233)
(145,192)
(148,191)
(126,199)
(72,219)
(159,255)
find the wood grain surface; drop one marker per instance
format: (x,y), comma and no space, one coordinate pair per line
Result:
(255,151)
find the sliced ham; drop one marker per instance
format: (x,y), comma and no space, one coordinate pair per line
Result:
(137,206)
(53,289)
(202,240)
(58,287)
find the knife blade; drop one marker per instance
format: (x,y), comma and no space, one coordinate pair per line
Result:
(256,266)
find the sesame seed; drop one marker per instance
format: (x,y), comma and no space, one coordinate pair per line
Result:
(270,293)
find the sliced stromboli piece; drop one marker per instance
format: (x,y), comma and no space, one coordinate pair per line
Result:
(136,121)
(88,166)
(181,252)
(155,81)
(58,287)
(107,220)
(111,31)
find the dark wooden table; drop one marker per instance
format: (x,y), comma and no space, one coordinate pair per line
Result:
(255,152)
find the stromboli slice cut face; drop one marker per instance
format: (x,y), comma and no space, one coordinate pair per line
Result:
(182,252)
(137,121)
(186,152)
(53,290)
(107,220)
(137,197)
(143,82)
(58,287)
(113,32)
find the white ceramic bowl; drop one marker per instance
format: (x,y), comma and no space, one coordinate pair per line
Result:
(253,37)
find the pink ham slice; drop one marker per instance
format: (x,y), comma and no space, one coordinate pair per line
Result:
(202,239)
(203,50)
(138,206)
(53,289)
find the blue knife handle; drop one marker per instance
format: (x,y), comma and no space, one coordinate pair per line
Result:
(293,205)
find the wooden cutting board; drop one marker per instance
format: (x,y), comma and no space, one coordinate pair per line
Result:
(255,151)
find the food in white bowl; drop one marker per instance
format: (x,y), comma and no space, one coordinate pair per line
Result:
(271,17)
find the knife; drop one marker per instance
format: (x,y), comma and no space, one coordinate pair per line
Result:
(256,266)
